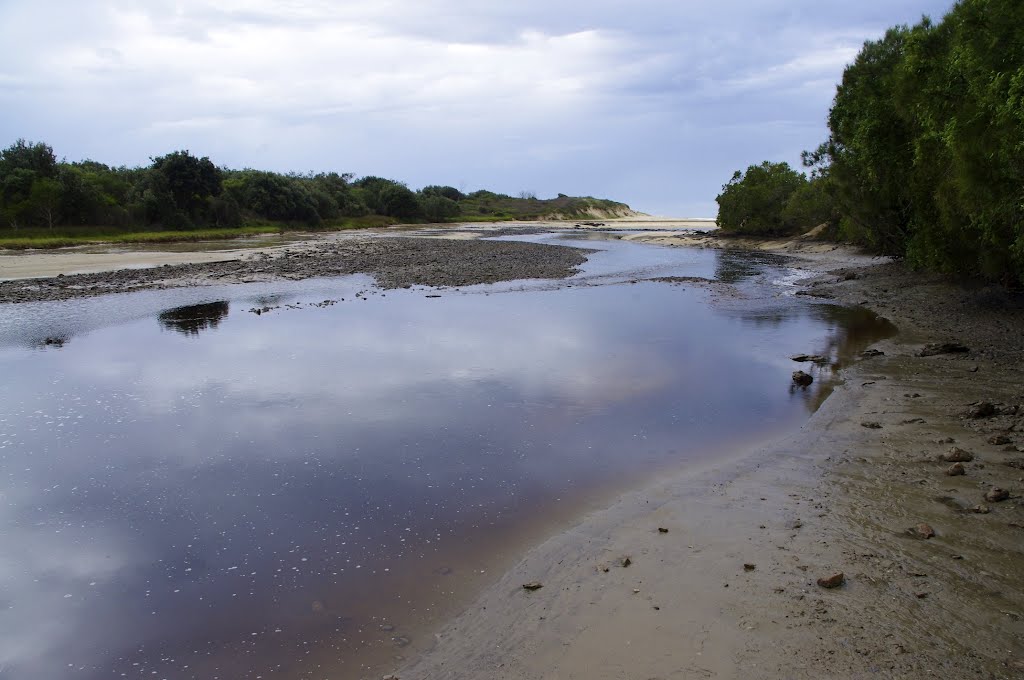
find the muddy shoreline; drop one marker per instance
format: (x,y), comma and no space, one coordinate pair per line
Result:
(730,589)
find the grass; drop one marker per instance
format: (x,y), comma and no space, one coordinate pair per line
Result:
(87,236)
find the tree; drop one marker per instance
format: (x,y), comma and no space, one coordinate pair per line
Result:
(45,201)
(439,209)
(190,181)
(752,202)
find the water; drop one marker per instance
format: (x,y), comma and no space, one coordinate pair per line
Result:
(192,490)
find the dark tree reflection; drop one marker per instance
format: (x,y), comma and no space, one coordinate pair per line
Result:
(193,319)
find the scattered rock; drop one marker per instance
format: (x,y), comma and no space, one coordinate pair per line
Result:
(533,585)
(802,379)
(956,469)
(922,530)
(936,348)
(999,440)
(996,494)
(833,581)
(957,455)
(749,567)
(871,425)
(981,510)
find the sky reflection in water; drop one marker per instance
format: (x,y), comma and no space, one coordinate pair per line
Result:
(200,490)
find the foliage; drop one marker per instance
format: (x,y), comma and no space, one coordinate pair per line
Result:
(925,154)
(754,202)
(51,203)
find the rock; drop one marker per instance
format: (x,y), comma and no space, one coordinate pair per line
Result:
(662,530)
(956,469)
(981,510)
(390,676)
(802,379)
(945,440)
(533,585)
(999,440)
(871,425)
(996,494)
(749,567)
(626,561)
(815,358)
(936,348)
(982,410)
(957,455)
(833,581)
(922,530)
(868,353)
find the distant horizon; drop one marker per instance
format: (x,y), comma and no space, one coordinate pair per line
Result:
(652,105)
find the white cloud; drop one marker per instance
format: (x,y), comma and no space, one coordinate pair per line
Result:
(439,91)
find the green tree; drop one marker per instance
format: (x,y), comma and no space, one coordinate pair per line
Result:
(753,202)
(191,181)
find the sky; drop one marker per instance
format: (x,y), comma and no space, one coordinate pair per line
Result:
(652,102)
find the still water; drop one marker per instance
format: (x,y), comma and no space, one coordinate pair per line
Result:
(189,489)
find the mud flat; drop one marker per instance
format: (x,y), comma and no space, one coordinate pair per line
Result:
(714,573)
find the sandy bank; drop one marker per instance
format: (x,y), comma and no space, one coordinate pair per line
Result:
(730,590)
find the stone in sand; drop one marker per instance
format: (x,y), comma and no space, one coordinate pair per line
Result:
(999,440)
(749,567)
(662,530)
(802,379)
(935,348)
(996,494)
(956,469)
(982,410)
(533,585)
(815,358)
(957,455)
(871,425)
(922,530)
(626,561)
(981,510)
(868,353)
(833,581)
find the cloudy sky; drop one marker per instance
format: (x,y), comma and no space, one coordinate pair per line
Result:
(651,102)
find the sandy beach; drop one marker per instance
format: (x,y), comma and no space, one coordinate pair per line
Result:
(713,571)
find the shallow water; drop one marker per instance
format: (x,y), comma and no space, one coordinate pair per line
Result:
(191,489)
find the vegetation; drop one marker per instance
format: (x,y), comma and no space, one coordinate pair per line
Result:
(49,203)
(925,156)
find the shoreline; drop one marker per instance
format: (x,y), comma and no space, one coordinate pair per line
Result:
(837,495)
(730,590)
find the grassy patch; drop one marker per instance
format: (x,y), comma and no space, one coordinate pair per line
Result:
(81,237)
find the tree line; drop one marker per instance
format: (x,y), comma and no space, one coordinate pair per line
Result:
(180,191)
(925,154)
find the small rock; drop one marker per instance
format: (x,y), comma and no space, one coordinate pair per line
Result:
(922,530)
(981,510)
(390,676)
(749,567)
(957,455)
(982,410)
(996,494)
(945,440)
(533,585)
(999,440)
(626,561)
(871,425)
(868,353)
(662,530)
(802,379)
(936,348)
(920,596)
(833,581)
(956,469)
(815,358)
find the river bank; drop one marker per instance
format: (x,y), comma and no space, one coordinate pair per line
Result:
(932,578)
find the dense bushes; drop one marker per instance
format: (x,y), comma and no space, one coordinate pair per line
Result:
(925,156)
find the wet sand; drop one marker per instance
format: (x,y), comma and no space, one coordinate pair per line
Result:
(730,590)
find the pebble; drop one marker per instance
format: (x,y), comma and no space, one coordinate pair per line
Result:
(533,585)
(957,455)
(833,581)
(922,530)
(996,494)
(956,469)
